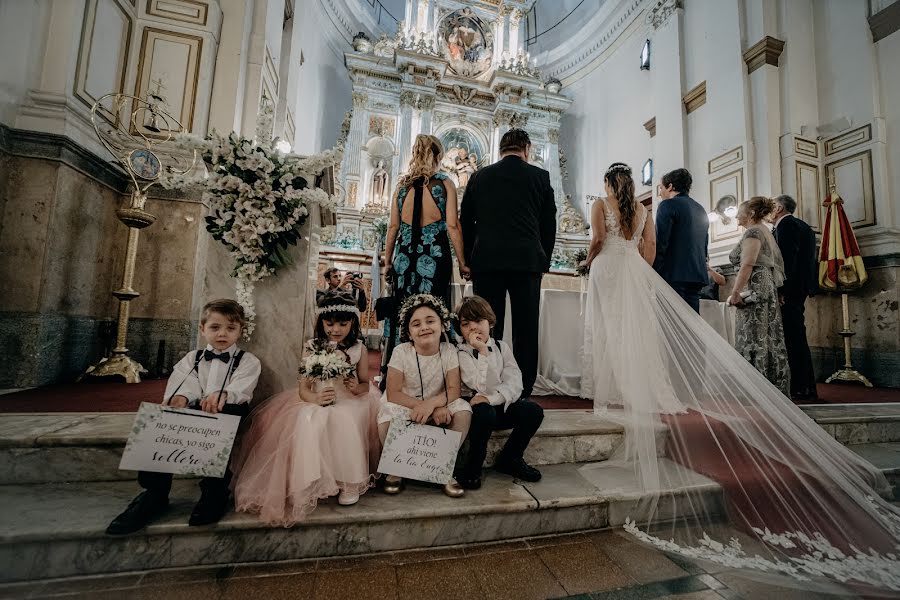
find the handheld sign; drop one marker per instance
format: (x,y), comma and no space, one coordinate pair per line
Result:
(179,440)
(421,452)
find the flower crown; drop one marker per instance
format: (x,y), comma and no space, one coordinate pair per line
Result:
(417,301)
(333,308)
(617,168)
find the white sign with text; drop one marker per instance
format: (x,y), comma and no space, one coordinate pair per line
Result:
(421,452)
(179,440)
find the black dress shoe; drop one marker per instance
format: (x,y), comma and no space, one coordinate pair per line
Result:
(466,483)
(208,510)
(519,469)
(146,507)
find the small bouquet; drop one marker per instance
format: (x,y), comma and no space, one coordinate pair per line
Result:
(323,365)
(579,257)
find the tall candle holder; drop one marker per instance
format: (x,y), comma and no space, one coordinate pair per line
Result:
(135,132)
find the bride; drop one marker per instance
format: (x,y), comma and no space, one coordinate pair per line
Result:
(785,501)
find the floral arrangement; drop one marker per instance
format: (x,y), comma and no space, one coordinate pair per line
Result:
(380,225)
(258,199)
(324,364)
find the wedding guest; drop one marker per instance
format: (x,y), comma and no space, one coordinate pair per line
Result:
(681,238)
(349,283)
(716,280)
(797,242)
(423,224)
(307,444)
(492,381)
(508,218)
(423,382)
(218,378)
(759,336)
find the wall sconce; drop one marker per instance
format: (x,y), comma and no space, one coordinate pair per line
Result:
(645,56)
(647,172)
(726,209)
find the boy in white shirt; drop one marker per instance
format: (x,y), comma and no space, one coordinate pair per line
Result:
(492,380)
(218,378)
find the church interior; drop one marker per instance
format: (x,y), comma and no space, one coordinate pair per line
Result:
(114,113)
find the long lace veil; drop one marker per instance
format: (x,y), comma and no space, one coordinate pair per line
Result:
(729,471)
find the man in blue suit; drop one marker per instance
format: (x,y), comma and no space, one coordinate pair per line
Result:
(681,238)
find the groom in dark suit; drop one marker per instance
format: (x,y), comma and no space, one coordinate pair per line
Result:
(508,218)
(681,238)
(797,242)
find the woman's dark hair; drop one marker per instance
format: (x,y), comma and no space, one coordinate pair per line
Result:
(341,305)
(679,179)
(618,176)
(514,140)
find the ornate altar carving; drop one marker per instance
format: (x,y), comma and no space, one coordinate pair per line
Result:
(571,220)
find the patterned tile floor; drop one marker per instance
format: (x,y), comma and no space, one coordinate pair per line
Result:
(603,565)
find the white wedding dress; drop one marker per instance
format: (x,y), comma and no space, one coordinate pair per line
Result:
(788,501)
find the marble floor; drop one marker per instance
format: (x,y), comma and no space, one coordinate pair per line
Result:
(600,565)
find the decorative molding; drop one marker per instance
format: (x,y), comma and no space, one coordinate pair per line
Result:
(726,159)
(695,98)
(360,99)
(289,127)
(809,193)
(862,165)
(662,11)
(190,78)
(804,147)
(553,136)
(381,126)
(764,52)
(86,45)
(185,11)
(848,140)
(885,22)
(650,126)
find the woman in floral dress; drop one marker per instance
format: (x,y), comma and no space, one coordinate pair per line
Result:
(758,331)
(424,222)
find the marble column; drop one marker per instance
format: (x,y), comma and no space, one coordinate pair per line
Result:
(553,164)
(422,18)
(357,134)
(407,99)
(514,19)
(426,110)
(410,15)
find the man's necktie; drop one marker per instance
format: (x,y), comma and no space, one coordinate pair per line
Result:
(210,355)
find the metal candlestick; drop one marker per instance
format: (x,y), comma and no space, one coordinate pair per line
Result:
(133,131)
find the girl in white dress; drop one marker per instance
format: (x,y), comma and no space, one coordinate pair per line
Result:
(423,383)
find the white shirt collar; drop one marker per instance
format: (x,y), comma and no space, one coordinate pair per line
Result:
(781,218)
(230,349)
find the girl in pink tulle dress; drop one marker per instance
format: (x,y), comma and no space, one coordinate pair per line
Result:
(304,445)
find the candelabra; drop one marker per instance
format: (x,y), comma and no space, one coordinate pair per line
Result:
(134,132)
(521,64)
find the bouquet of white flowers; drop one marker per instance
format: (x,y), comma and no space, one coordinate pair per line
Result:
(325,364)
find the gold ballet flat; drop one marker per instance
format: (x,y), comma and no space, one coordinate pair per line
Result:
(392,485)
(453,489)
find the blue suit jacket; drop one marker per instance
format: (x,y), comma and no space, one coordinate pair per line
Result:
(682,236)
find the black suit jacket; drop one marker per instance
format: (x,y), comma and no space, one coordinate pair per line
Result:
(682,235)
(508,218)
(797,242)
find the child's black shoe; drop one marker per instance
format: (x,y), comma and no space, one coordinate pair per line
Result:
(145,508)
(209,509)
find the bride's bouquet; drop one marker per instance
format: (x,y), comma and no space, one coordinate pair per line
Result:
(323,364)
(579,257)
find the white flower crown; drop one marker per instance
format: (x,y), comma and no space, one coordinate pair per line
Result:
(337,308)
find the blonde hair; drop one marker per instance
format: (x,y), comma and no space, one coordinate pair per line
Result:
(758,207)
(426,155)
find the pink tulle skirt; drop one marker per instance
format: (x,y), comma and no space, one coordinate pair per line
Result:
(294,453)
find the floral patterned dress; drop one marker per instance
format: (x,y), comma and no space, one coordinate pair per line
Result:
(759,335)
(422,262)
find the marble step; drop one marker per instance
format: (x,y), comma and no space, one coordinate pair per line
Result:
(57,530)
(71,447)
(850,424)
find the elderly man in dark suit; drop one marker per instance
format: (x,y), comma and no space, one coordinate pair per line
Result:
(508,218)
(682,236)
(797,242)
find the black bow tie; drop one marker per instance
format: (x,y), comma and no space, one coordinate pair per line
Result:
(210,355)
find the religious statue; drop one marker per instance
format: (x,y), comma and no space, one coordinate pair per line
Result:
(379,183)
(466,164)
